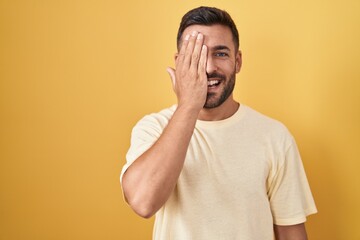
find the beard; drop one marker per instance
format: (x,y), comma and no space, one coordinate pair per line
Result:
(212,101)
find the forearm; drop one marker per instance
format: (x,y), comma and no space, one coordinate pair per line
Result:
(149,181)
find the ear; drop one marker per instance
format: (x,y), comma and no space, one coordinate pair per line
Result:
(238,61)
(176,56)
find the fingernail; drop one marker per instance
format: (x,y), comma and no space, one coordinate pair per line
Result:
(187,37)
(194,33)
(199,36)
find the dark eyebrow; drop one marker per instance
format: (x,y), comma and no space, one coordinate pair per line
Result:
(221,47)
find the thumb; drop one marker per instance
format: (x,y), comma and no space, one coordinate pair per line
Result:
(171,72)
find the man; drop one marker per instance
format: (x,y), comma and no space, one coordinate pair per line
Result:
(209,167)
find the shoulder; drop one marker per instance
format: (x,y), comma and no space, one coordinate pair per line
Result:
(263,120)
(268,126)
(157,120)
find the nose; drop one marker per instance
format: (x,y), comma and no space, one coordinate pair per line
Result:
(211,65)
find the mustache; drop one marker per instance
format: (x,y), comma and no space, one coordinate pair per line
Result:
(215,75)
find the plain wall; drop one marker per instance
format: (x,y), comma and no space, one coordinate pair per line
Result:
(75,76)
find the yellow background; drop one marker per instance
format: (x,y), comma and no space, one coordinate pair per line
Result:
(77,75)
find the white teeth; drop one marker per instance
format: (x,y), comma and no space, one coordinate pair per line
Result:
(212,82)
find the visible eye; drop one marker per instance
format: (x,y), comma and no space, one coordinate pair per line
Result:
(221,54)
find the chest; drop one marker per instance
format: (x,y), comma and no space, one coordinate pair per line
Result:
(228,162)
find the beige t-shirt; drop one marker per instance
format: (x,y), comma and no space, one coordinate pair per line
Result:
(241,175)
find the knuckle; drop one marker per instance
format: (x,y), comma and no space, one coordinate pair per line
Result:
(195,56)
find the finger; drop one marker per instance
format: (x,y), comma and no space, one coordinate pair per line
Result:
(202,63)
(184,44)
(171,72)
(197,52)
(189,49)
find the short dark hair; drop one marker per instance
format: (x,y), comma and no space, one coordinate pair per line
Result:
(208,16)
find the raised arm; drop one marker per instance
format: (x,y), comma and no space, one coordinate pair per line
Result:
(149,181)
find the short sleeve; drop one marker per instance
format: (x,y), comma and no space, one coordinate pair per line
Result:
(143,136)
(289,192)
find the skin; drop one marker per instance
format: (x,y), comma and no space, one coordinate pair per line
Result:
(205,50)
(226,61)
(292,232)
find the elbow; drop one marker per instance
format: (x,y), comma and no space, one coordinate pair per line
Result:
(144,212)
(139,198)
(142,208)
(139,203)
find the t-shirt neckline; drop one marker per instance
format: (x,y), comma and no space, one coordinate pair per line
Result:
(238,115)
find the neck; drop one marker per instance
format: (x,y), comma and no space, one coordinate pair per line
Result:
(225,110)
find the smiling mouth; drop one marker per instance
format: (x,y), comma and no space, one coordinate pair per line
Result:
(212,83)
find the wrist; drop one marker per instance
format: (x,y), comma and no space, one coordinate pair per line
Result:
(190,112)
